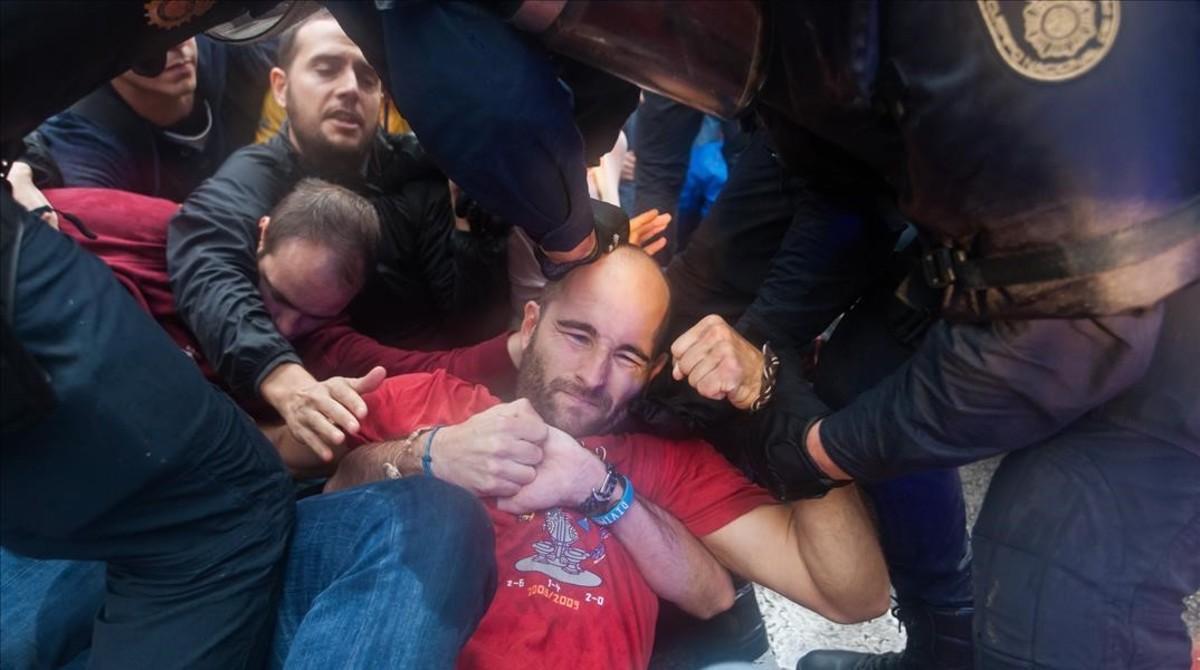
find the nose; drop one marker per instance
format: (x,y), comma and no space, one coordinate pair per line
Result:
(593,369)
(347,85)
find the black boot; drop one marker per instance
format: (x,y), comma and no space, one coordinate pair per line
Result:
(682,642)
(938,639)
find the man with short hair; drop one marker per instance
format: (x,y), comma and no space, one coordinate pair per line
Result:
(162,134)
(427,275)
(588,533)
(313,253)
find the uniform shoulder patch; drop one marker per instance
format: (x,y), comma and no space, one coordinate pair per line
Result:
(1052,40)
(168,14)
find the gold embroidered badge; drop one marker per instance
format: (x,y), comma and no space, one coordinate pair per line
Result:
(168,14)
(1060,40)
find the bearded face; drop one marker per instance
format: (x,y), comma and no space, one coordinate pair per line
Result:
(562,399)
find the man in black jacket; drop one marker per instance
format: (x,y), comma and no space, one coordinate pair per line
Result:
(428,272)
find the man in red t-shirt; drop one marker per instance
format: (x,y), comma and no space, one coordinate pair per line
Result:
(582,558)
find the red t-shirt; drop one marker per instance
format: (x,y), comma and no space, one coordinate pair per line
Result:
(131,238)
(569,595)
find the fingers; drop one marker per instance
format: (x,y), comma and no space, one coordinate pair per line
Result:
(520,421)
(368,382)
(636,223)
(521,451)
(340,405)
(310,439)
(510,505)
(655,247)
(654,227)
(694,334)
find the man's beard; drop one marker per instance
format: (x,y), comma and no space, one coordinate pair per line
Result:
(329,161)
(533,386)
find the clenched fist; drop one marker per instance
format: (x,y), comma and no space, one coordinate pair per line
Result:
(718,362)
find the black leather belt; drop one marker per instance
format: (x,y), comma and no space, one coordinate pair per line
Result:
(944,266)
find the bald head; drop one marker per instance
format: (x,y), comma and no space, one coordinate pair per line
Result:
(626,277)
(592,343)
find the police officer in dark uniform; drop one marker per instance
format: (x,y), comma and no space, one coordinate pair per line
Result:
(1047,154)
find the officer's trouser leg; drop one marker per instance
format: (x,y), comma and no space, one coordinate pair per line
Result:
(144,465)
(1084,551)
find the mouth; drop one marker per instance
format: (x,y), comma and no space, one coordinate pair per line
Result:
(180,66)
(345,118)
(581,400)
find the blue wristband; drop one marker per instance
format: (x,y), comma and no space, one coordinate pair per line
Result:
(613,515)
(427,460)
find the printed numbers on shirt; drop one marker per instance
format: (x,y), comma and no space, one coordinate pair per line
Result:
(589,598)
(556,598)
(515,583)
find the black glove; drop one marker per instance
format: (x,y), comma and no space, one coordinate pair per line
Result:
(482,222)
(612,228)
(772,440)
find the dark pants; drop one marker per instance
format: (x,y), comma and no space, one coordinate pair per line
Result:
(1088,543)
(395,574)
(1084,550)
(143,465)
(665,132)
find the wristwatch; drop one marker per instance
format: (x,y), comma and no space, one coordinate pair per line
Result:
(600,499)
(769,372)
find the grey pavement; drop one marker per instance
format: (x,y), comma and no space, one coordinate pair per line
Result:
(794,631)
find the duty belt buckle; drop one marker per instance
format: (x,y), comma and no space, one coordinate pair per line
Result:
(938,266)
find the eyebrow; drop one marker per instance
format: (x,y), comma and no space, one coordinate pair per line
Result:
(591,330)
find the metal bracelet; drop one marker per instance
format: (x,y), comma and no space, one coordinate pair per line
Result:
(769,373)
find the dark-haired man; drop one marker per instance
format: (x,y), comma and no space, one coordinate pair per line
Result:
(314,251)
(426,273)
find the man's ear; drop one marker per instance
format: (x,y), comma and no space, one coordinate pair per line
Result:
(262,231)
(529,321)
(279,82)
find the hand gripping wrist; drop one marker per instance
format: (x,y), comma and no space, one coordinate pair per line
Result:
(790,471)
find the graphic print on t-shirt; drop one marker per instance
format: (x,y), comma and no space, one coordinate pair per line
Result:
(564,553)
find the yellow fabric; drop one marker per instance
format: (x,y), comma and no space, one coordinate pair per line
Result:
(272,117)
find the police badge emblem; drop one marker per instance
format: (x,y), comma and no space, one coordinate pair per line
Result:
(1060,40)
(168,14)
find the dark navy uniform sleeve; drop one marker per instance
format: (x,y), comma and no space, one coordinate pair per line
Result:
(211,259)
(976,390)
(89,155)
(488,105)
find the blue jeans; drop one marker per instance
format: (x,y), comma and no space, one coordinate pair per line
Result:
(395,574)
(391,575)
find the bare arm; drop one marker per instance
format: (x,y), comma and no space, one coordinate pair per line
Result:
(822,553)
(674,563)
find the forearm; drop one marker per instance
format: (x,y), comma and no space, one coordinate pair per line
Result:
(973,391)
(300,461)
(211,261)
(675,564)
